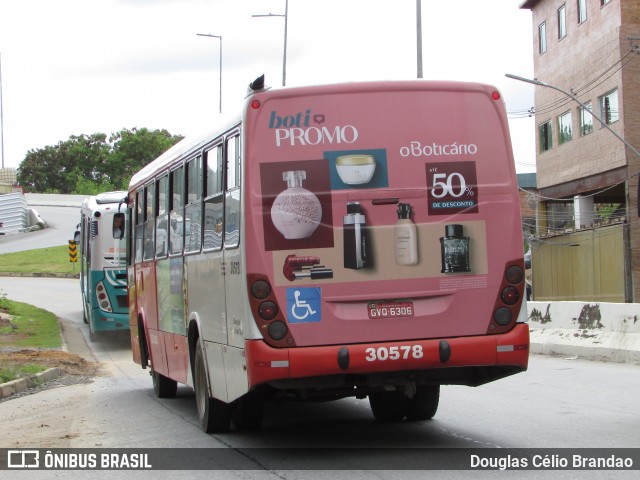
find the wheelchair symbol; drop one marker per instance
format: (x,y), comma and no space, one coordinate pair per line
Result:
(301,305)
(304,305)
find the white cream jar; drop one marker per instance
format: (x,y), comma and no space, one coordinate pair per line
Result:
(356,169)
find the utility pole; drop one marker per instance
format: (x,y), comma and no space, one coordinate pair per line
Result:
(1,114)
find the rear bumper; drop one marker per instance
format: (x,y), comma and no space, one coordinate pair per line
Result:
(511,350)
(105,321)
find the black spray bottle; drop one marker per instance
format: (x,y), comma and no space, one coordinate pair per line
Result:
(356,238)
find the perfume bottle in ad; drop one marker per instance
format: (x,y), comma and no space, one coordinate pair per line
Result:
(406,244)
(454,249)
(356,238)
(296,212)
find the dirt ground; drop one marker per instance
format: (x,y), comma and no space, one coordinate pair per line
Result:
(45,415)
(74,369)
(68,363)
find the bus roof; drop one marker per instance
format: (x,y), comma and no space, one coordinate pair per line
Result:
(111,197)
(191,145)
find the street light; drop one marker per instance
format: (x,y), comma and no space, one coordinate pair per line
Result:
(419,35)
(575,99)
(220,38)
(284,57)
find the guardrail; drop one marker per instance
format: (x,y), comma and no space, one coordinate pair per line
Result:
(14,214)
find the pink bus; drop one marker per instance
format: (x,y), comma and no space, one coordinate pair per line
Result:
(354,240)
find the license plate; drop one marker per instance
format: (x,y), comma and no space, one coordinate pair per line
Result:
(390,310)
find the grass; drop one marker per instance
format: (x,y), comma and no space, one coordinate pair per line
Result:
(28,327)
(40,261)
(13,372)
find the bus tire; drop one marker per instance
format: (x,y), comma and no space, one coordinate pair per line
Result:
(248,412)
(424,404)
(389,406)
(142,344)
(164,387)
(214,414)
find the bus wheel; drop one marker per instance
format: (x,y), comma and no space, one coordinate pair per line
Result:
(389,406)
(214,415)
(142,344)
(164,387)
(424,404)
(248,411)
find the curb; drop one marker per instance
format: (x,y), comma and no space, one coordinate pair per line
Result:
(593,353)
(22,384)
(40,275)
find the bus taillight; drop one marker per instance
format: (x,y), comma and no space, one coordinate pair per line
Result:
(278,330)
(268,310)
(103,298)
(507,305)
(267,313)
(510,295)
(260,289)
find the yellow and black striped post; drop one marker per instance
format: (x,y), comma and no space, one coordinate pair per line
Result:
(73,251)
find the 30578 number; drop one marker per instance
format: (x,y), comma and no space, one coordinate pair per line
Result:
(404,352)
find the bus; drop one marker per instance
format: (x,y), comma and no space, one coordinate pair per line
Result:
(101,237)
(349,240)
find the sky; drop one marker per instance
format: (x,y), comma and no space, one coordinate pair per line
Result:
(73,67)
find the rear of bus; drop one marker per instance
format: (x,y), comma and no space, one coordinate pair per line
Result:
(104,283)
(384,242)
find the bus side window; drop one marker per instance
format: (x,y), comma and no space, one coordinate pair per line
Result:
(149,222)
(118,225)
(193,212)
(176,216)
(139,227)
(213,208)
(162,219)
(232,195)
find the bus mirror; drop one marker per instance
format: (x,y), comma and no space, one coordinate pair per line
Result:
(76,237)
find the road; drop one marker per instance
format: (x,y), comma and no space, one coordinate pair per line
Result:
(557,403)
(61,224)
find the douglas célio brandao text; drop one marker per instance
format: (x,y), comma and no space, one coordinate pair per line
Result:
(551,462)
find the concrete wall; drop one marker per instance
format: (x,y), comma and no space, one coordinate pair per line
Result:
(598,331)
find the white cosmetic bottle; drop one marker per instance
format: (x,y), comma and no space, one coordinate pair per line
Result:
(296,212)
(406,242)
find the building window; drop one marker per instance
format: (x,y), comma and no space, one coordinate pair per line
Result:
(542,40)
(544,133)
(604,2)
(562,22)
(582,10)
(609,107)
(586,120)
(565,132)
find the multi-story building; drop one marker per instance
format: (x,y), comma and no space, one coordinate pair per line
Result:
(590,49)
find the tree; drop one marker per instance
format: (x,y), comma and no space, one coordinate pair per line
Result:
(133,149)
(89,164)
(39,171)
